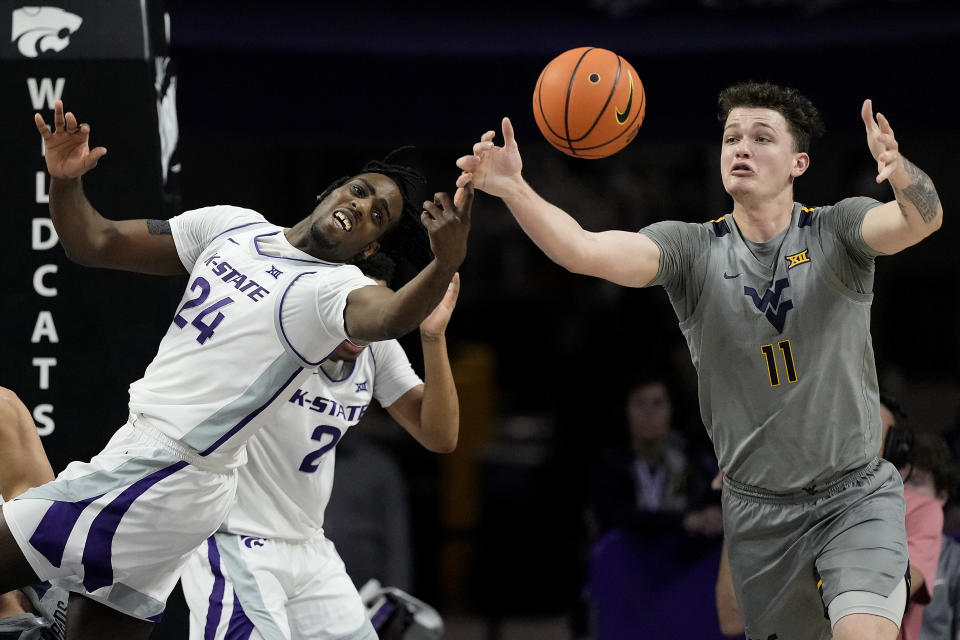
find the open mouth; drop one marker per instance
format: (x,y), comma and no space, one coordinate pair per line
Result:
(344,219)
(741,169)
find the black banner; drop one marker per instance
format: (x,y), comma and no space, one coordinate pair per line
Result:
(72,339)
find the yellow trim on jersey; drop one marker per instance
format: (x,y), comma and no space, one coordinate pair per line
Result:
(720,219)
(807,209)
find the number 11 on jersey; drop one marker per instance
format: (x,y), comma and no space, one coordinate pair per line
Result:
(770,355)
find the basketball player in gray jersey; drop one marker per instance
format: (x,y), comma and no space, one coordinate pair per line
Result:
(774,301)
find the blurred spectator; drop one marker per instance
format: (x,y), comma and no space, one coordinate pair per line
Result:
(934,475)
(951,515)
(653,514)
(914,457)
(656,488)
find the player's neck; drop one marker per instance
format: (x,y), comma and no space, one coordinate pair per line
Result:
(760,221)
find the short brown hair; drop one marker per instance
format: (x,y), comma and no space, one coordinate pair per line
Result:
(803,119)
(931,453)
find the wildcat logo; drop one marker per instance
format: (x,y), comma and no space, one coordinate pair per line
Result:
(37,30)
(797,259)
(250,542)
(774,309)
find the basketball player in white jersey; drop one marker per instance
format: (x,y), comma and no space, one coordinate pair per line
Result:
(269,570)
(773,299)
(277,574)
(264,306)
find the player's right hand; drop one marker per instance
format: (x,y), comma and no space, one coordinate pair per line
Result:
(67,151)
(495,170)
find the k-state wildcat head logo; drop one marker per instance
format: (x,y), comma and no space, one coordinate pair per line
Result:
(37,30)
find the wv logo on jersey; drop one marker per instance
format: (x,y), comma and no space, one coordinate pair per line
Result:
(774,309)
(797,259)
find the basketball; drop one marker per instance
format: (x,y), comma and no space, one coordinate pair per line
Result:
(589,102)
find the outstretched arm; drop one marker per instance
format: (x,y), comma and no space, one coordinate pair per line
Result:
(88,238)
(431,412)
(377,313)
(630,259)
(916,212)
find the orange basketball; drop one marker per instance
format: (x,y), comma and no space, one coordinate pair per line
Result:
(589,102)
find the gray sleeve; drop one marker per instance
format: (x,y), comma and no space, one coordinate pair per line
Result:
(848,254)
(683,251)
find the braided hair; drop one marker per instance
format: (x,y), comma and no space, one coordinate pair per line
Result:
(408,239)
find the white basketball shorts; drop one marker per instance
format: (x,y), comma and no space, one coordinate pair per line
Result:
(272,589)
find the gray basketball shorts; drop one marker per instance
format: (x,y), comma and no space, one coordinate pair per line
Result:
(792,554)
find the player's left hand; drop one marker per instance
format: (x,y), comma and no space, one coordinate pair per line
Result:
(435,324)
(883,145)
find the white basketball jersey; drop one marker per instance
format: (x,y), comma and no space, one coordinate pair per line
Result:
(284,488)
(257,317)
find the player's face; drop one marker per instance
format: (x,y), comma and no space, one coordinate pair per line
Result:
(649,412)
(757,157)
(352,218)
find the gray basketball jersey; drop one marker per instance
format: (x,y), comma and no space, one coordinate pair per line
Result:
(779,333)
(49,624)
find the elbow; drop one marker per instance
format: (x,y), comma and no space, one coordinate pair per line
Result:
(92,250)
(444,444)
(80,257)
(933,224)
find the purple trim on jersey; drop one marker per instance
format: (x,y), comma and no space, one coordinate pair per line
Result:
(240,627)
(284,331)
(248,224)
(98,550)
(50,536)
(250,416)
(215,609)
(157,618)
(256,245)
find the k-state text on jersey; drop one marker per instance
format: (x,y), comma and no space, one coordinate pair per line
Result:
(230,275)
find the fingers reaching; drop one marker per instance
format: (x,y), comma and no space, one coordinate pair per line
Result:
(464,205)
(480,147)
(508,139)
(884,124)
(42,126)
(58,123)
(453,289)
